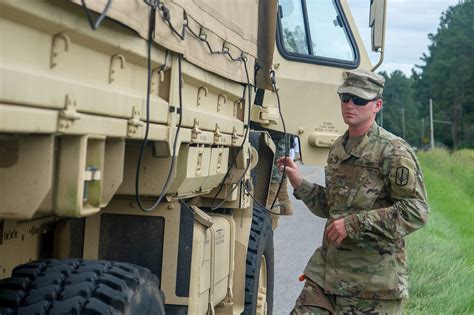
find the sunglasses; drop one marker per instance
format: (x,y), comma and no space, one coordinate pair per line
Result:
(346,97)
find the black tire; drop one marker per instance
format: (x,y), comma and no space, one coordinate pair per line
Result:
(77,286)
(260,244)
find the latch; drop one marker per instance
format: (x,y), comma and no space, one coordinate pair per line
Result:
(199,163)
(220,158)
(217,134)
(91,174)
(195,131)
(134,123)
(265,115)
(68,115)
(235,136)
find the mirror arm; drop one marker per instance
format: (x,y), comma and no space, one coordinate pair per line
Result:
(382,54)
(382,49)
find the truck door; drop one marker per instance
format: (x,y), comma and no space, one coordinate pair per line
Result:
(316,41)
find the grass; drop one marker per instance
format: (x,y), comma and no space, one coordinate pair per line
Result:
(441,255)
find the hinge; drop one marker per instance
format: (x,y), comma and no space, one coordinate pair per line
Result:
(265,115)
(68,115)
(134,123)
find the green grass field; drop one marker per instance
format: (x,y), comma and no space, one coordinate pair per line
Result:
(441,255)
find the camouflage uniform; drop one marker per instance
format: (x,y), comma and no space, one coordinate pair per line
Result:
(377,187)
(314,301)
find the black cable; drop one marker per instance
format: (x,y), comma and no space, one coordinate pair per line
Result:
(151,32)
(95,25)
(167,17)
(213,208)
(247,87)
(285,135)
(264,207)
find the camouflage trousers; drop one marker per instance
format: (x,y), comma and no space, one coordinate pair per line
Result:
(313,301)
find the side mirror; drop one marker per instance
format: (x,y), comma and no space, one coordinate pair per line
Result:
(378,9)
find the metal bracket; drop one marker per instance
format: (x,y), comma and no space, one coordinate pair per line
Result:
(265,115)
(113,63)
(68,115)
(199,96)
(134,123)
(54,49)
(219,101)
(237,105)
(157,76)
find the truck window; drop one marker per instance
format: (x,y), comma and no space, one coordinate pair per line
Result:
(316,31)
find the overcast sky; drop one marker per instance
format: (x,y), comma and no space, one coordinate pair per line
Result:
(408,25)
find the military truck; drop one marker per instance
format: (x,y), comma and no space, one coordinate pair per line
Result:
(135,157)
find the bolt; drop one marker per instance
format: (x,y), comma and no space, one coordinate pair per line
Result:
(170,206)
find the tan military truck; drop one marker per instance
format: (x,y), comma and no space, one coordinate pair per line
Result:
(134,154)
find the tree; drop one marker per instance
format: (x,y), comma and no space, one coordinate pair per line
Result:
(447,75)
(399,106)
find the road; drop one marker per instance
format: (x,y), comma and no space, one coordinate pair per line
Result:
(296,238)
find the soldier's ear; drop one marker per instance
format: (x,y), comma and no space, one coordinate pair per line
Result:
(378,105)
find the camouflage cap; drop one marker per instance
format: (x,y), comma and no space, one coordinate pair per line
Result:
(362,83)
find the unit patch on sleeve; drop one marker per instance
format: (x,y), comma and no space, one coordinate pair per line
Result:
(401,176)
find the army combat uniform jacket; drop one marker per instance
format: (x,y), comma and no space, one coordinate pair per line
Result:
(378,189)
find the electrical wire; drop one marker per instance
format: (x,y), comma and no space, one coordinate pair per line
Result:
(151,34)
(272,72)
(154,5)
(248,88)
(95,25)
(264,207)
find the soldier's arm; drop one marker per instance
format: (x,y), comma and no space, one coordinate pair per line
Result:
(314,196)
(410,209)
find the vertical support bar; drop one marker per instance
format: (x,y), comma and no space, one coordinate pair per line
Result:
(91,237)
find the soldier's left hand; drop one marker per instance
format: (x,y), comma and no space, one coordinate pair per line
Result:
(336,232)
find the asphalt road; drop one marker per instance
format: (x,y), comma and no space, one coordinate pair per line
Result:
(295,240)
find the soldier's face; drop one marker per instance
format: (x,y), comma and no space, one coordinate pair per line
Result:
(357,116)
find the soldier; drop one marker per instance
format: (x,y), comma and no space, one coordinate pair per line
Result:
(374,196)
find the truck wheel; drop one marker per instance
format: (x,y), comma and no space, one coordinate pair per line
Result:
(260,265)
(77,286)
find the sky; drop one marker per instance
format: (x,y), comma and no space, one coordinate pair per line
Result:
(408,24)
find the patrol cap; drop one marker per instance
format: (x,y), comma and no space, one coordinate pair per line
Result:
(362,83)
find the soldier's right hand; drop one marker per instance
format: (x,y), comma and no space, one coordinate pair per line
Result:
(292,171)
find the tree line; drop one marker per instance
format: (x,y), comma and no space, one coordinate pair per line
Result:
(446,76)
